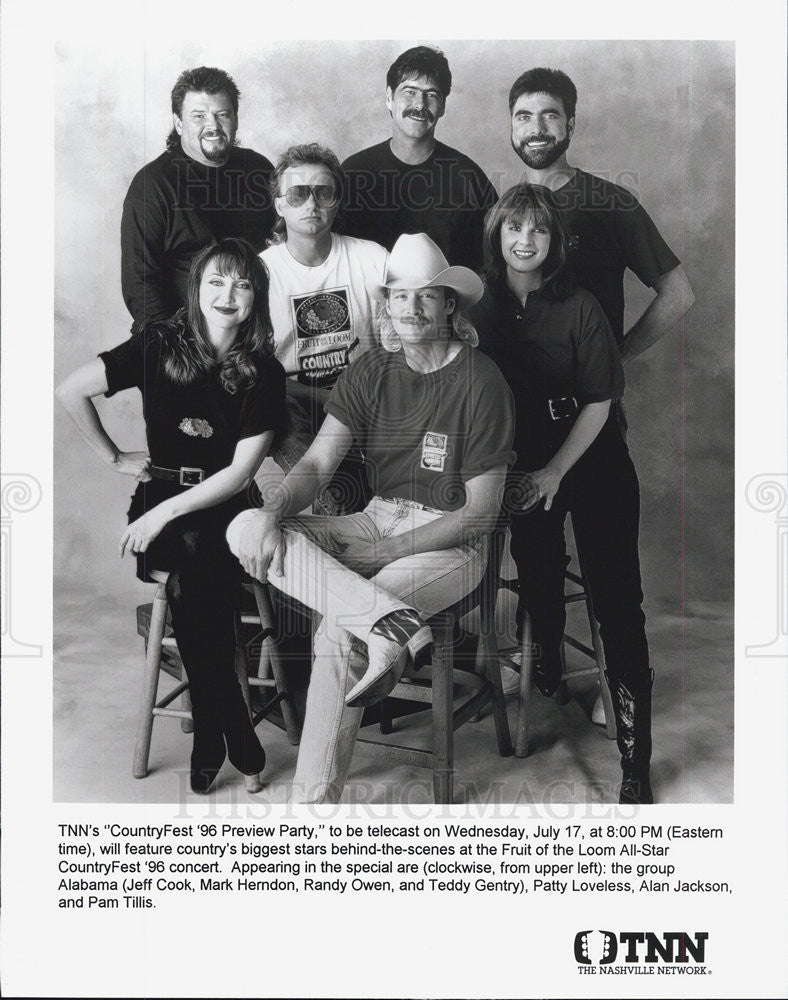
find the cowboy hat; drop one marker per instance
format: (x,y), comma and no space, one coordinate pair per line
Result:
(416,261)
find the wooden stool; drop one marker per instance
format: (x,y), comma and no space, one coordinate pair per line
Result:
(270,673)
(161,655)
(435,684)
(594,652)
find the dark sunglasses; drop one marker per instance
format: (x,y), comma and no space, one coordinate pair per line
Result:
(324,194)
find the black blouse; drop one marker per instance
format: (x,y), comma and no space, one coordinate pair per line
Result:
(196,425)
(549,349)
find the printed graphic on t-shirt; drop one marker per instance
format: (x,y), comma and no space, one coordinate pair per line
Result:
(195,427)
(324,338)
(434,451)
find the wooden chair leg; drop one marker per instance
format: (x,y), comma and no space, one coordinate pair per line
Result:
(599,656)
(241,669)
(386,717)
(187,725)
(265,610)
(488,663)
(442,717)
(562,693)
(150,683)
(292,725)
(524,701)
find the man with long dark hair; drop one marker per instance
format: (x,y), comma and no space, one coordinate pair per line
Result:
(203,188)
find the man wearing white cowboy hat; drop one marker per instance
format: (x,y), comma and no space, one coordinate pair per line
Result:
(434,420)
(414,257)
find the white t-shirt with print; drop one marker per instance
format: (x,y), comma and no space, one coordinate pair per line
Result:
(324,316)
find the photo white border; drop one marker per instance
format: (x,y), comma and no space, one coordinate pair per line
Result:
(43,952)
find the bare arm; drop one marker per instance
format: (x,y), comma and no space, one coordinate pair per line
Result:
(254,536)
(306,393)
(75,393)
(674,297)
(308,476)
(589,423)
(217,488)
(479,514)
(237,476)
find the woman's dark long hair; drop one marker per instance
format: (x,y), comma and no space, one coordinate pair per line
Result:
(516,204)
(186,349)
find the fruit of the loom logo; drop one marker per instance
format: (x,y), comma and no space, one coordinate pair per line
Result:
(322,313)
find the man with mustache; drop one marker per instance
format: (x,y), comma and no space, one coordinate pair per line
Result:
(607,228)
(412,183)
(201,189)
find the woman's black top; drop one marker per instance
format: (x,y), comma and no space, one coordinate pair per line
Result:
(196,425)
(549,349)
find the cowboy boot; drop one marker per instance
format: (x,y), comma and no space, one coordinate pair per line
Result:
(632,707)
(394,642)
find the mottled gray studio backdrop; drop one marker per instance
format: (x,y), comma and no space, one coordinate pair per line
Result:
(657,116)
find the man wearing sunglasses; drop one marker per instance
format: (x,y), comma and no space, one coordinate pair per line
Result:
(412,183)
(321,301)
(202,189)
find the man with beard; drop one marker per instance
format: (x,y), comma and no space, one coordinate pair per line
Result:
(202,189)
(412,183)
(607,231)
(607,228)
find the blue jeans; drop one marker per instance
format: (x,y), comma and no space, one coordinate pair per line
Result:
(349,605)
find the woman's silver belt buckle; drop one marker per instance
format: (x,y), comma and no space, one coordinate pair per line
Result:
(562,407)
(190,475)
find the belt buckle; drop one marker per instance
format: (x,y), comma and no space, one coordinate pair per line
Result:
(190,470)
(559,399)
(403,504)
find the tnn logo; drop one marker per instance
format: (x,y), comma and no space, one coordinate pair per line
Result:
(602,947)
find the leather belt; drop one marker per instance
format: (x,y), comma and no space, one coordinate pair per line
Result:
(562,407)
(414,504)
(187,475)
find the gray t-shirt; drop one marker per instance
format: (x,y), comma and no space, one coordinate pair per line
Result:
(424,435)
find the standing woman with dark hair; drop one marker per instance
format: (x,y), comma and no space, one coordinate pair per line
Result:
(213,397)
(555,347)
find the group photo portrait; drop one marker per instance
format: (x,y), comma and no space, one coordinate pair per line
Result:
(394,421)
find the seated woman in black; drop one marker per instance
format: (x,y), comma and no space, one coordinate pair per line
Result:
(555,347)
(213,397)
